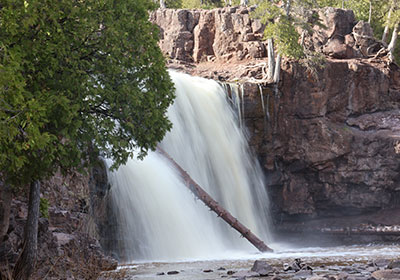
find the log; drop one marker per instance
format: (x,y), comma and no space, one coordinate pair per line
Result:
(201,194)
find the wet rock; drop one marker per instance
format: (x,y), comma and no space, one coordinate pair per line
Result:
(172,272)
(341,276)
(208,270)
(222,268)
(386,274)
(296,265)
(380,263)
(246,273)
(160,273)
(316,277)
(302,274)
(293,266)
(334,268)
(394,264)
(262,268)
(230,272)
(350,269)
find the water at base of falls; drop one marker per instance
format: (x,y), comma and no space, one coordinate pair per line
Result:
(158,217)
(357,262)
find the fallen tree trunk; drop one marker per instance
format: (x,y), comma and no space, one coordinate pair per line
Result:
(214,206)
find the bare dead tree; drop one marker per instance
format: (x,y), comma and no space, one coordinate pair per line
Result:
(370,12)
(386,30)
(393,42)
(162,4)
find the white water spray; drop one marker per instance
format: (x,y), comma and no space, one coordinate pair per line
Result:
(158,217)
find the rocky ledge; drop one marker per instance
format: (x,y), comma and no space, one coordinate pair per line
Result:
(329,141)
(68,246)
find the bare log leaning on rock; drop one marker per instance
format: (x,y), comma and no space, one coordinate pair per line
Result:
(214,206)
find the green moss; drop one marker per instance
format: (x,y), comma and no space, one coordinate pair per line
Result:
(44,207)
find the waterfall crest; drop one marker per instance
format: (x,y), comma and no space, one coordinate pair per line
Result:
(158,217)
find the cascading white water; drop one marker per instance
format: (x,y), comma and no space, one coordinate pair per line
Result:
(158,217)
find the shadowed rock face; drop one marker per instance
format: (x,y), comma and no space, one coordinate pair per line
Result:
(329,144)
(328,147)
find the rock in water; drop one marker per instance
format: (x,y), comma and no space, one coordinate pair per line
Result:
(262,268)
(386,274)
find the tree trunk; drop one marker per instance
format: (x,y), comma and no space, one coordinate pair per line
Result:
(162,4)
(288,7)
(214,206)
(27,260)
(5,209)
(277,69)
(370,12)
(271,60)
(393,41)
(386,31)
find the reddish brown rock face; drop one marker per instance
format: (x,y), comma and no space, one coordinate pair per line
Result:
(204,35)
(329,144)
(328,148)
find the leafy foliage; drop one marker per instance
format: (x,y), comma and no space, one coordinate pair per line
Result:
(76,78)
(286,38)
(361,11)
(44,207)
(197,4)
(173,4)
(282,26)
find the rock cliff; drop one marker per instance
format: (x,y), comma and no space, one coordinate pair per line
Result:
(67,240)
(329,142)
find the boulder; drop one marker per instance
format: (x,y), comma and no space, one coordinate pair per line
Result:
(394,264)
(262,268)
(386,274)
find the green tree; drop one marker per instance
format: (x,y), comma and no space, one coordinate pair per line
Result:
(382,15)
(283,21)
(372,11)
(173,4)
(77,78)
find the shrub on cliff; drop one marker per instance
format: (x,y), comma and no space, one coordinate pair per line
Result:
(76,78)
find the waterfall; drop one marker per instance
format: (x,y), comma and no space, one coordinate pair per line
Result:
(158,217)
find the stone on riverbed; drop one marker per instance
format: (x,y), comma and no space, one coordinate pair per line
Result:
(394,264)
(246,273)
(316,277)
(302,274)
(380,263)
(262,268)
(386,274)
